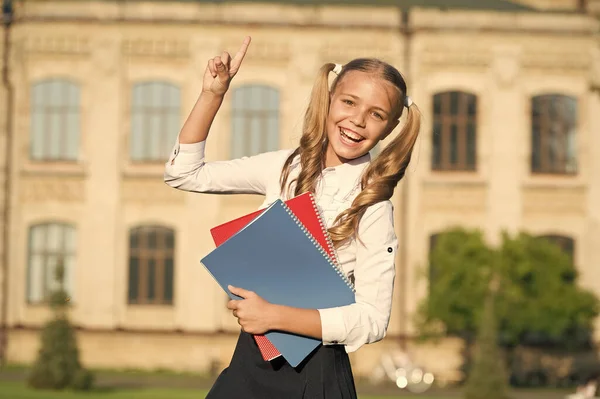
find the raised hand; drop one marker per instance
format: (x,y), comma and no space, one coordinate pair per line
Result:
(221,70)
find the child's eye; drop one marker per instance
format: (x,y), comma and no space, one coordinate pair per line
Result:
(349,102)
(378,116)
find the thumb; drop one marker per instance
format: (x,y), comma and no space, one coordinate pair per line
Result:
(240,291)
(222,70)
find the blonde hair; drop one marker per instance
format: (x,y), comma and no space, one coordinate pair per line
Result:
(383,173)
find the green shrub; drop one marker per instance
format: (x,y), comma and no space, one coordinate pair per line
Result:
(57,365)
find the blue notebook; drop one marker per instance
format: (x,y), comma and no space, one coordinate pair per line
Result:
(276,257)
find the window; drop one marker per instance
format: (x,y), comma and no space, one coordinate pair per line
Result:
(155,121)
(454,132)
(255,120)
(151,265)
(566,244)
(553,134)
(55,121)
(49,244)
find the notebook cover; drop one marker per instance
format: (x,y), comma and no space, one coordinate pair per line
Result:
(277,257)
(305,208)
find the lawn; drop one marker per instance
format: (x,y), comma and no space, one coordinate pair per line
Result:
(17,390)
(132,384)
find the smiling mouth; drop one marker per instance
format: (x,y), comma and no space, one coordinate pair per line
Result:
(350,135)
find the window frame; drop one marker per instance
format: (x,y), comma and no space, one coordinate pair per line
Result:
(463,118)
(143,112)
(45,106)
(266,115)
(148,257)
(569,166)
(68,255)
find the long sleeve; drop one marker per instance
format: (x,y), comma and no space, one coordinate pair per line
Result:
(366,321)
(187,170)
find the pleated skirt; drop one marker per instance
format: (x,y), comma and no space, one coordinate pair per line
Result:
(326,374)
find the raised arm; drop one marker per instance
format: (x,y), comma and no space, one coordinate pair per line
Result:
(217,78)
(186,168)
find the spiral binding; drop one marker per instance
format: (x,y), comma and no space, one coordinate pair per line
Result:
(324,230)
(319,247)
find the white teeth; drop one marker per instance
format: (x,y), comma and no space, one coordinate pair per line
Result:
(351,136)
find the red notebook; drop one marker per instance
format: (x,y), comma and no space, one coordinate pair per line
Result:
(305,209)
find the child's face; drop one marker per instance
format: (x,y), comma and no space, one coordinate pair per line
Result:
(360,115)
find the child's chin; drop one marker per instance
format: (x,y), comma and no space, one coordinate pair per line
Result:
(349,155)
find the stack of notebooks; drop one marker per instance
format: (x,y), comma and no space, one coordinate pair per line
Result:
(283,253)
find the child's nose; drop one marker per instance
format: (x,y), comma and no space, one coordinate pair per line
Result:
(358,118)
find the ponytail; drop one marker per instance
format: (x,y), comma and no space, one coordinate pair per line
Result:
(314,137)
(380,178)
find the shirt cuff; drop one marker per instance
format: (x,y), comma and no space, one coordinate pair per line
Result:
(333,329)
(193,148)
(188,154)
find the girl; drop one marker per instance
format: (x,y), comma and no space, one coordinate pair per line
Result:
(342,124)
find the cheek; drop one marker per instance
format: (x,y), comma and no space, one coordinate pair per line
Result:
(337,113)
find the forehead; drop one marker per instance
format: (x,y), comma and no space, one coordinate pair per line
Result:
(369,87)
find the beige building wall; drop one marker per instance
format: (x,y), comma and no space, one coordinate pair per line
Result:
(503,58)
(3,162)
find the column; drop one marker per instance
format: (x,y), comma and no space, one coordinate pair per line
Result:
(102,105)
(507,159)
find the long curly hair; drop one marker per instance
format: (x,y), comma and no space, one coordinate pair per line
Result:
(383,173)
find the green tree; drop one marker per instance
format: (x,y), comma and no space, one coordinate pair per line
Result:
(540,302)
(57,365)
(459,275)
(488,378)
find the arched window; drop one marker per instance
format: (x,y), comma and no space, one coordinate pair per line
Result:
(255,120)
(554,134)
(454,132)
(55,121)
(151,265)
(155,121)
(49,245)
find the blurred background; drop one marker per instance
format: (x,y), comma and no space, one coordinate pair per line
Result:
(503,190)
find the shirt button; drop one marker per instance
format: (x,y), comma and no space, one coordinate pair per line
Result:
(390,249)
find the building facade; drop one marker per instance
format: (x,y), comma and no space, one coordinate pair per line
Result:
(510,95)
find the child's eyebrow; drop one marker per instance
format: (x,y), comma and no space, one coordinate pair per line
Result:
(357,98)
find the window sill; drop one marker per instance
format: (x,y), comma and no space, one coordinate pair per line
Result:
(54,168)
(454,177)
(148,316)
(557,180)
(149,169)
(150,306)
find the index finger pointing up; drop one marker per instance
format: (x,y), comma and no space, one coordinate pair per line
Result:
(239,56)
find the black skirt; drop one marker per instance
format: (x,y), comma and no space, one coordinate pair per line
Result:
(325,374)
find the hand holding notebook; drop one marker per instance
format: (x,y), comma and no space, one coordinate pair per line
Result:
(305,209)
(275,256)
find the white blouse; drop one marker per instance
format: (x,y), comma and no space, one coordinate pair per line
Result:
(370,264)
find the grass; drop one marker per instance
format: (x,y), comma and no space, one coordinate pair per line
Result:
(134,384)
(17,390)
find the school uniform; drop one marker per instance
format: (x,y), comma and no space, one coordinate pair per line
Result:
(370,265)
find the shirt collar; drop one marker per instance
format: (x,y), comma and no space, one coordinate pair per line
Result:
(350,172)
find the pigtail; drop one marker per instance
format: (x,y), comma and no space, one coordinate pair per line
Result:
(314,137)
(380,178)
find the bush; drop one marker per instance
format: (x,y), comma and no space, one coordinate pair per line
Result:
(57,365)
